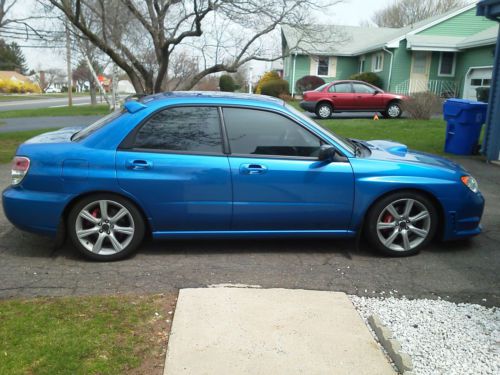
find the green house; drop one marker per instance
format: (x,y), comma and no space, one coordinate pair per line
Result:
(450,55)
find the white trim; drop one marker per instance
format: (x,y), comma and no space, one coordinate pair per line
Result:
(395,42)
(293,73)
(471,68)
(374,62)
(435,49)
(388,88)
(452,66)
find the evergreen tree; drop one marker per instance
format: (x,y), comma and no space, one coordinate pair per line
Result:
(11,57)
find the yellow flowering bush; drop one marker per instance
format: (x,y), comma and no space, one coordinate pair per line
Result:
(18,87)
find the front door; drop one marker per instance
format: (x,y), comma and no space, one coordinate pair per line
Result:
(174,165)
(420,68)
(278,182)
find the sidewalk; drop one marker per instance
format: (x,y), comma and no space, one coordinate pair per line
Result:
(270,331)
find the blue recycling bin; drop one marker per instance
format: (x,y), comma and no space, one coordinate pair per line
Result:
(464,119)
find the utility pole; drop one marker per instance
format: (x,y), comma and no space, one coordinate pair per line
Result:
(68,62)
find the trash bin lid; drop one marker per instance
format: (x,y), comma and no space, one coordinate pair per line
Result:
(453,107)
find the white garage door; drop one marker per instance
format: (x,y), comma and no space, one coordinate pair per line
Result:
(477,77)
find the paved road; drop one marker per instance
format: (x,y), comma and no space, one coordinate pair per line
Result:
(41,103)
(31,123)
(461,271)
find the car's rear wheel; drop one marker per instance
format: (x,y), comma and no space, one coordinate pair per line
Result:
(393,110)
(105,227)
(324,110)
(402,223)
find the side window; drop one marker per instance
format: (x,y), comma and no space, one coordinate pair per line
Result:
(362,89)
(343,88)
(255,132)
(189,129)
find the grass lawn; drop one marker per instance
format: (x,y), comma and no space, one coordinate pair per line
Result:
(85,335)
(422,135)
(78,110)
(14,97)
(10,141)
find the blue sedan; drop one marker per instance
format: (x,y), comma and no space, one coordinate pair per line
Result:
(213,165)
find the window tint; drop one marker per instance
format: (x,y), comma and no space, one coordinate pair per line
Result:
(193,129)
(342,87)
(362,89)
(254,132)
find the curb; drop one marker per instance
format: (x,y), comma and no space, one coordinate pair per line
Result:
(393,348)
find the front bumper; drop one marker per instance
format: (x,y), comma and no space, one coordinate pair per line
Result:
(308,106)
(34,211)
(463,218)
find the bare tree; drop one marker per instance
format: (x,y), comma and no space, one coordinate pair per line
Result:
(46,78)
(141,37)
(5,6)
(403,13)
(182,68)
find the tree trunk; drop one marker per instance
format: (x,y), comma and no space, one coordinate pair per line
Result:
(92,89)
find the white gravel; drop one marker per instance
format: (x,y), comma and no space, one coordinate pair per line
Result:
(441,337)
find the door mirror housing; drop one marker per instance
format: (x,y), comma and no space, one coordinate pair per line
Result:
(330,153)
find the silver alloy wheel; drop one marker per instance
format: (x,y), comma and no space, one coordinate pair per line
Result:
(393,110)
(104,227)
(324,111)
(403,224)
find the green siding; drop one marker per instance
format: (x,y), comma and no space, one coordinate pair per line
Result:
(434,71)
(346,67)
(482,56)
(464,24)
(400,66)
(384,74)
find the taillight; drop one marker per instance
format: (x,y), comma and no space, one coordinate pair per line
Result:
(20,166)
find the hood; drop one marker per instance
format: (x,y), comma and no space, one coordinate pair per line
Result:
(58,136)
(393,151)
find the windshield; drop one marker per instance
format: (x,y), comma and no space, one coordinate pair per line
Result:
(344,142)
(96,125)
(321,87)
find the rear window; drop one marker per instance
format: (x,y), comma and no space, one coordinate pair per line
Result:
(92,128)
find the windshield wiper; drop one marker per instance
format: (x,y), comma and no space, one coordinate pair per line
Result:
(355,143)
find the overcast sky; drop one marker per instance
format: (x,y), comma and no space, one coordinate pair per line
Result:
(349,12)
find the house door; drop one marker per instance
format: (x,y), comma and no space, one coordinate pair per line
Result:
(420,67)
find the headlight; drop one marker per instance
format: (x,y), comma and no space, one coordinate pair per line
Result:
(470,182)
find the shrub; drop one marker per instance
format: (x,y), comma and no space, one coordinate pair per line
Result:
(276,88)
(368,77)
(18,87)
(286,97)
(65,89)
(267,77)
(307,83)
(422,105)
(226,83)
(483,94)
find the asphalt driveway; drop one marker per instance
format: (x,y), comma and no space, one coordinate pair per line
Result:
(464,271)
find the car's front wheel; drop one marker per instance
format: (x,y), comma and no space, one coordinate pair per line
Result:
(402,223)
(105,227)
(324,110)
(393,110)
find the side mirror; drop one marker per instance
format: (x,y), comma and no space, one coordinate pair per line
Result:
(327,153)
(377,92)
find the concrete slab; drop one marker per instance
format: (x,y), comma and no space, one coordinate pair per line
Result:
(270,331)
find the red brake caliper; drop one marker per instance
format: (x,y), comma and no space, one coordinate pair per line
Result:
(388,218)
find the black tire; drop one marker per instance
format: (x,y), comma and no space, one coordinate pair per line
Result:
(401,224)
(133,219)
(324,110)
(393,110)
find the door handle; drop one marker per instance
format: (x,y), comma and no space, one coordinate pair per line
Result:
(253,169)
(138,165)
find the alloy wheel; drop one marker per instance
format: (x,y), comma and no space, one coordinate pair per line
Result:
(403,225)
(104,227)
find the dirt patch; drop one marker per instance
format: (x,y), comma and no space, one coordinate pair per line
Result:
(156,333)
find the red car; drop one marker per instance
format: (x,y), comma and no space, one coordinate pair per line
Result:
(351,96)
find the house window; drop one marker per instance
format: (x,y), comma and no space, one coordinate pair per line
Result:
(447,64)
(378,62)
(362,60)
(323,63)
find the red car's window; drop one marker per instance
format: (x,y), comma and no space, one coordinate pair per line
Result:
(341,88)
(363,89)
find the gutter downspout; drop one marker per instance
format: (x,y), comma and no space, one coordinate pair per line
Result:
(390,68)
(293,74)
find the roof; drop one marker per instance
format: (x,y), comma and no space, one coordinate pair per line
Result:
(356,40)
(8,75)
(200,96)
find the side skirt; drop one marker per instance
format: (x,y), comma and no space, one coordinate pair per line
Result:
(255,234)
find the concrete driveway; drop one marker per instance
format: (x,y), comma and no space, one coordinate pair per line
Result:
(465,271)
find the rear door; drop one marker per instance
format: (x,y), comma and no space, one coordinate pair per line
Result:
(342,95)
(174,165)
(366,97)
(278,182)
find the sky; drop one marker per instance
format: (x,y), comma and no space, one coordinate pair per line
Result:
(348,12)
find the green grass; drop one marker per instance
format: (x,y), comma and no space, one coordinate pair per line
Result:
(84,335)
(422,135)
(16,97)
(10,141)
(79,110)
